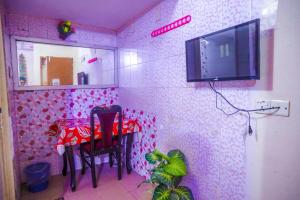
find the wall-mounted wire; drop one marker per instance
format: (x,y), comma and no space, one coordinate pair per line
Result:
(237,109)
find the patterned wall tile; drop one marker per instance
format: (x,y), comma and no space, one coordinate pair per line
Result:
(37,27)
(28,26)
(186,113)
(236,12)
(18,25)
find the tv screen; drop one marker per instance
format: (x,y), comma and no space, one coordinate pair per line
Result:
(229,54)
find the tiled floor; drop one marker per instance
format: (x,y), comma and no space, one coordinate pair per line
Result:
(109,188)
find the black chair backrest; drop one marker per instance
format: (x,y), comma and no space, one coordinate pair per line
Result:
(106,116)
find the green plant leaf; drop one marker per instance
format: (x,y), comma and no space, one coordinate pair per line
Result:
(177,180)
(163,178)
(161,192)
(160,154)
(184,193)
(154,178)
(176,167)
(174,196)
(176,154)
(161,164)
(152,158)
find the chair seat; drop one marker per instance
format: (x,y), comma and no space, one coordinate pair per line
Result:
(98,145)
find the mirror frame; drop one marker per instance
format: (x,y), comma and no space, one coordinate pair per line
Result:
(14,58)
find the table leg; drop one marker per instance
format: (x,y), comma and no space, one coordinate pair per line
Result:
(65,158)
(128,152)
(69,151)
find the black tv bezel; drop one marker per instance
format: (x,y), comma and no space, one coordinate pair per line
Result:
(257,61)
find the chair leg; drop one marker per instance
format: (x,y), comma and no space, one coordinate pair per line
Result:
(82,161)
(119,159)
(111,161)
(65,168)
(93,168)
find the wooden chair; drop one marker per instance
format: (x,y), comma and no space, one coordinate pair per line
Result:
(109,143)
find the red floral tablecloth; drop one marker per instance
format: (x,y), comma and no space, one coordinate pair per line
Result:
(76,131)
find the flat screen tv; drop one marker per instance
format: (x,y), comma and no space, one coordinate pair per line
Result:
(229,54)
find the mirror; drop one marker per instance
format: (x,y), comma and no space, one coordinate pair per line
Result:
(42,64)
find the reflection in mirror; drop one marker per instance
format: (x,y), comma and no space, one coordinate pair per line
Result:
(53,65)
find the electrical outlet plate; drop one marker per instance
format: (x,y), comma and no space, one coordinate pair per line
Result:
(283,110)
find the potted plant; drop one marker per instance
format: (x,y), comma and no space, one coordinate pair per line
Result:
(65,29)
(167,174)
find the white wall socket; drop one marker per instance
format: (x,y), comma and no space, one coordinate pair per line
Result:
(281,108)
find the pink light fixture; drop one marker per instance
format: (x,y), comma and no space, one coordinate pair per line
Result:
(176,24)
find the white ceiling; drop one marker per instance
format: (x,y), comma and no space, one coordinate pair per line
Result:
(109,14)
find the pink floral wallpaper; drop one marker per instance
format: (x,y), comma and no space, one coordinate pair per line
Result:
(152,78)
(37,110)
(144,142)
